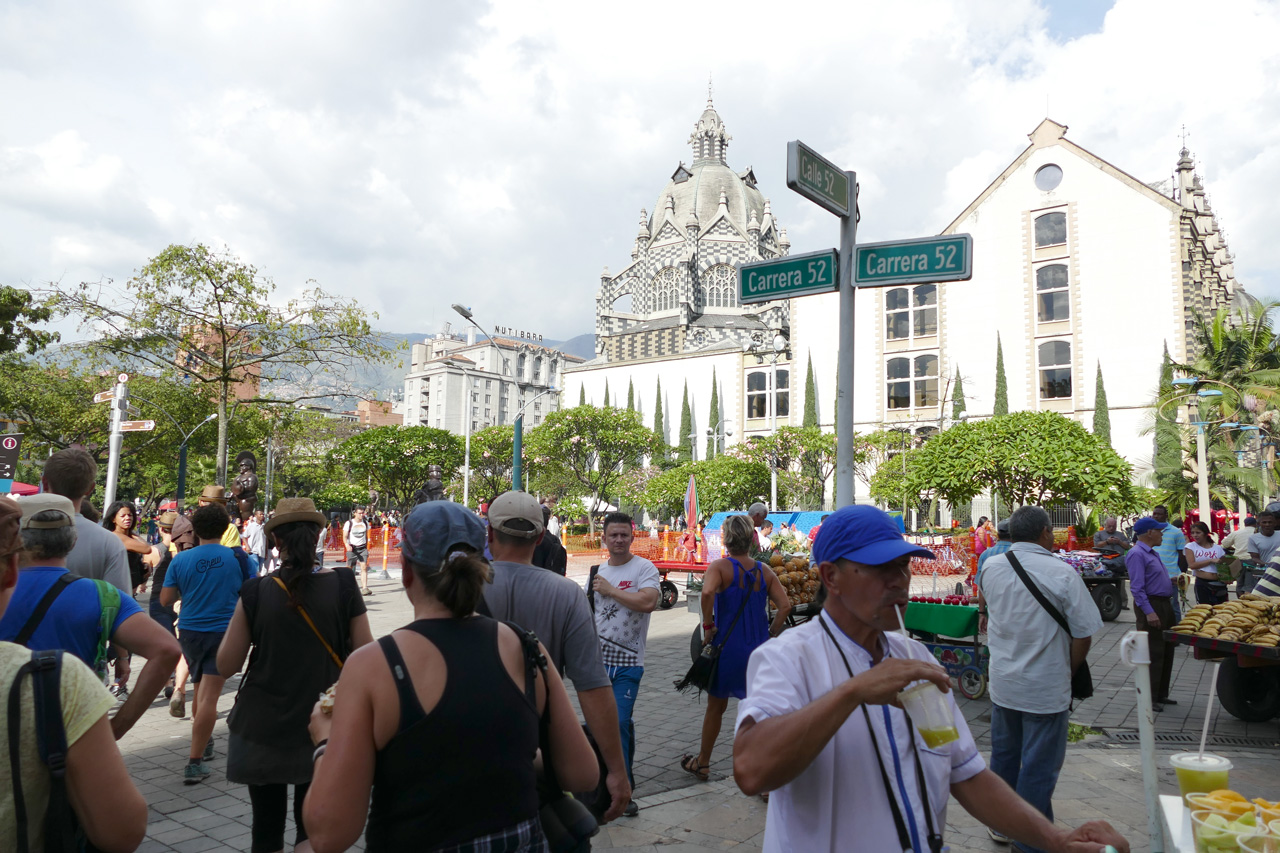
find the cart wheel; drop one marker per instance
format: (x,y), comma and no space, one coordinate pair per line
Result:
(670,593)
(972,683)
(1251,694)
(1107,597)
(695,642)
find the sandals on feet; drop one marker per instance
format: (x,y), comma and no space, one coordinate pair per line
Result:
(690,765)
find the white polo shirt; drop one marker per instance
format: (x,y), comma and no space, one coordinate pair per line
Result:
(839,801)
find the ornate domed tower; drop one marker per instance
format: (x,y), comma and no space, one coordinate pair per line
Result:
(682,280)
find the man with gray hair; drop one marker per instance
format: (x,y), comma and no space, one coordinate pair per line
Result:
(53,609)
(1032,657)
(758,512)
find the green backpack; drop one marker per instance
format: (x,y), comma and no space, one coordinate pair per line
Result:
(108,602)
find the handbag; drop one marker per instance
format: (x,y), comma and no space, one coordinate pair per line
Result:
(703,672)
(1081,679)
(567,824)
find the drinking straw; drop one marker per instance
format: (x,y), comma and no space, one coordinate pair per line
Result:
(1208,710)
(903,625)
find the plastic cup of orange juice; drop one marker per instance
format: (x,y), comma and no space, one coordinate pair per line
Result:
(1200,773)
(931,713)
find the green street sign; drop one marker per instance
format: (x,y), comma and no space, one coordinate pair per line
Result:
(946,258)
(817,178)
(783,278)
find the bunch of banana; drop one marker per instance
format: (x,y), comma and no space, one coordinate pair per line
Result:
(1194,619)
(1252,619)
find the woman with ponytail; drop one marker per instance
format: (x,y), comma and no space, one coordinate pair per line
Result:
(302,621)
(436,721)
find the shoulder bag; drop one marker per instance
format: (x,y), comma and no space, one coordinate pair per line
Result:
(1081,679)
(302,611)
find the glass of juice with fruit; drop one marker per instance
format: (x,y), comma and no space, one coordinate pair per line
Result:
(1200,773)
(930,711)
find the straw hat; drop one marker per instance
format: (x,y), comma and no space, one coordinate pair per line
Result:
(166,519)
(217,494)
(289,510)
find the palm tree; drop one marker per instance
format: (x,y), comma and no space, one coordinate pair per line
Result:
(1239,349)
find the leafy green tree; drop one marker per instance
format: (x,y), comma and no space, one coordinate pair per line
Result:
(810,398)
(19,310)
(659,428)
(395,460)
(806,458)
(491,455)
(631,396)
(583,451)
(1101,413)
(890,484)
(716,426)
(957,397)
(724,483)
(208,318)
(684,448)
(1001,405)
(340,497)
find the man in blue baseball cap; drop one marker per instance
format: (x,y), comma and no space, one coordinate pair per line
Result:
(821,724)
(1153,609)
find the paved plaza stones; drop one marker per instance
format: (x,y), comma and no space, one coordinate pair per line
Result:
(1101,779)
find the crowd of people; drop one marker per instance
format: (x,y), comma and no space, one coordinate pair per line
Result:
(457,731)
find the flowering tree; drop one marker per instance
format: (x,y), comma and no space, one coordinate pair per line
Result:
(396,460)
(724,483)
(491,450)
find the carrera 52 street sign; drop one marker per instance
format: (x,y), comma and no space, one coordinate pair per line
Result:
(923,259)
(783,278)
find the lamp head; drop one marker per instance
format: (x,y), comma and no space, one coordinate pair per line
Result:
(1185,380)
(465,312)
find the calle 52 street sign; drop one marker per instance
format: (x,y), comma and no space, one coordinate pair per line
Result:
(783,278)
(945,258)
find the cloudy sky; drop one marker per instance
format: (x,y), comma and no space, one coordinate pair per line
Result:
(413,154)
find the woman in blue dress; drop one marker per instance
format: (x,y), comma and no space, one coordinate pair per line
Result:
(734,583)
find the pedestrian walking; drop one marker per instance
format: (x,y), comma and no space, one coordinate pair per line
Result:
(356,534)
(549,552)
(1040,625)
(207,579)
(735,616)
(440,720)
(99,554)
(1153,595)
(103,799)
(255,542)
(303,623)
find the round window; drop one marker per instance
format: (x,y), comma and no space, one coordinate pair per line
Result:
(1048,177)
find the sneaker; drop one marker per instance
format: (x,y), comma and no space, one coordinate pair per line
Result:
(178,705)
(195,773)
(208,750)
(631,810)
(120,692)
(997,837)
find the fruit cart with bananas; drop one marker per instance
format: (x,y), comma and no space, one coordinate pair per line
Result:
(1243,634)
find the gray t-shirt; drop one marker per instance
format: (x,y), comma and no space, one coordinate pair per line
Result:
(555,608)
(1264,546)
(99,554)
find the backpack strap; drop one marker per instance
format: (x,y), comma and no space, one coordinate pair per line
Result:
(64,580)
(591,586)
(51,738)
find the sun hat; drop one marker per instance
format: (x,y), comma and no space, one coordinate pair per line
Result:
(516,514)
(1146,525)
(434,529)
(166,519)
(33,505)
(863,534)
(183,535)
(10,515)
(289,510)
(214,493)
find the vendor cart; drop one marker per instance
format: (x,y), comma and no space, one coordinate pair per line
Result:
(1104,575)
(1248,677)
(950,632)
(670,593)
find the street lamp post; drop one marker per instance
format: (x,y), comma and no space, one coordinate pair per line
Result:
(517,442)
(718,438)
(465,313)
(1202,463)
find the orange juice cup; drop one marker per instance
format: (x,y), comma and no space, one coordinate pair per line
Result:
(1200,773)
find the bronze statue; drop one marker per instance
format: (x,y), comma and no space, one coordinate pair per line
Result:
(245,488)
(434,488)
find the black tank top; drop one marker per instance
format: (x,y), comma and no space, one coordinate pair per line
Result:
(466,769)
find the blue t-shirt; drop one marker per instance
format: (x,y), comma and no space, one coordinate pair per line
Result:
(209,579)
(1173,544)
(71,623)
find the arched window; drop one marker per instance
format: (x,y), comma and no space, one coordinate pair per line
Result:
(911,312)
(520,365)
(720,286)
(537,369)
(1051,230)
(1055,370)
(1053,298)
(665,290)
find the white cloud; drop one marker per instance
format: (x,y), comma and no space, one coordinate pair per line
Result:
(415,154)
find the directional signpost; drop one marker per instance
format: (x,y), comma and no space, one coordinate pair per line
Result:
(928,259)
(104,396)
(10,444)
(137,426)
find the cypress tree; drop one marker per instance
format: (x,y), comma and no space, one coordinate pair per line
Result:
(1167,459)
(1101,414)
(713,419)
(606,393)
(631,396)
(957,397)
(810,398)
(582,395)
(1001,406)
(684,452)
(657,422)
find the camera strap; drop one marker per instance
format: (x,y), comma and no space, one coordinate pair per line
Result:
(904,837)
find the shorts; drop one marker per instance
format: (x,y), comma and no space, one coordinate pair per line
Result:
(200,648)
(359,554)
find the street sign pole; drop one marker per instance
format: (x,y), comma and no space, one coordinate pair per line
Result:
(118,406)
(844,363)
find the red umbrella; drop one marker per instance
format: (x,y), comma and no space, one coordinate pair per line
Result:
(169,505)
(23,489)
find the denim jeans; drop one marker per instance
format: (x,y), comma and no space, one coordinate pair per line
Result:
(1027,751)
(626,686)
